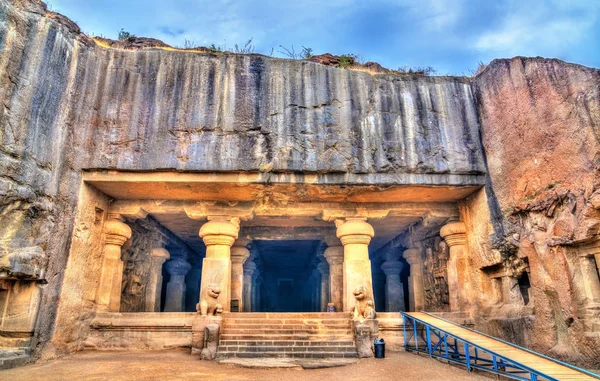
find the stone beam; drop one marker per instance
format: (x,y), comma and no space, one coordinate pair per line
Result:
(286,232)
(429,225)
(326,210)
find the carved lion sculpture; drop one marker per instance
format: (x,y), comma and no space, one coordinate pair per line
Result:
(364,308)
(209,306)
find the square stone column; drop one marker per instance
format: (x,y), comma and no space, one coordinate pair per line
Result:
(108,296)
(316,290)
(588,256)
(394,289)
(239,255)
(218,234)
(416,294)
(256,283)
(175,298)
(335,258)
(158,256)
(458,281)
(323,268)
(249,269)
(355,234)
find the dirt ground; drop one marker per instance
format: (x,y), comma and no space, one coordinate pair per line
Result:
(179,365)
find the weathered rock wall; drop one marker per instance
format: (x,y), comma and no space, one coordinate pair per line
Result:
(70,105)
(540,127)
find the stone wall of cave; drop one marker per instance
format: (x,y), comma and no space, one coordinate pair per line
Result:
(527,128)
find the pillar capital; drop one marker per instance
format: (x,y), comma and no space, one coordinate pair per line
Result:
(160,253)
(220,231)
(354,231)
(323,268)
(412,256)
(392,255)
(392,267)
(316,273)
(334,255)
(178,266)
(116,232)
(239,254)
(454,233)
(249,268)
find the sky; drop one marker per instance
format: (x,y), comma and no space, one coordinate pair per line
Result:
(452,36)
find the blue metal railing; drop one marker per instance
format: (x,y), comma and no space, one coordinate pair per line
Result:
(438,343)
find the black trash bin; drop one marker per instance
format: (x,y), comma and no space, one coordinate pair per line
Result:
(379,348)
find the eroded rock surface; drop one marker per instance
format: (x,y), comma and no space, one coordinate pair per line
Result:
(541,134)
(70,105)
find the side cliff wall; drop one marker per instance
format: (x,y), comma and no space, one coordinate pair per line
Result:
(540,128)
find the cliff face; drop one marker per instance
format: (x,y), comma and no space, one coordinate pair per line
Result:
(163,109)
(68,105)
(541,135)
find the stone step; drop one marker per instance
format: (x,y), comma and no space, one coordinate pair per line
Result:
(287,321)
(227,324)
(295,337)
(321,355)
(11,358)
(285,331)
(263,343)
(303,349)
(286,315)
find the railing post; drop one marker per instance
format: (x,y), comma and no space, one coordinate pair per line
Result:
(446,343)
(428,337)
(404,319)
(533,376)
(415,334)
(495,362)
(467,356)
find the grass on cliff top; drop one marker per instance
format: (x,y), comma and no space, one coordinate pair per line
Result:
(349,61)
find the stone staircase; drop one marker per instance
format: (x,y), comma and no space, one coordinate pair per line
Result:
(293,335)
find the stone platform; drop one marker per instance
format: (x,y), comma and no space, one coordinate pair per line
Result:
(286,335)
(140,330)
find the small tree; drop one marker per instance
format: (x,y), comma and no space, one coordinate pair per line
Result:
(418,70)
(248,48)
(125,35)
(347,60)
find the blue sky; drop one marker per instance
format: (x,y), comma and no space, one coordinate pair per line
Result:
(450,35)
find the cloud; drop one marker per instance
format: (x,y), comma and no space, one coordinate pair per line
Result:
(547,29)
(173,32)
(451,35)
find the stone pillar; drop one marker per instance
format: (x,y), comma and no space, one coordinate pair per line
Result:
(249,269)
(591,285)
(335,258)
(239,255)
(158,256)
(394,290)
(588,256)
(323,268)
(458,288)
(416,294)
(355,234)
(218,234)
(511,293)
(316,290)
(175,299)
(256,282)
(108,296)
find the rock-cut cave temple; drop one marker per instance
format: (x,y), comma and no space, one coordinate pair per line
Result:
(148,195)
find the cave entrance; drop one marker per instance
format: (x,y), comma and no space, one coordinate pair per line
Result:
(289,280)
